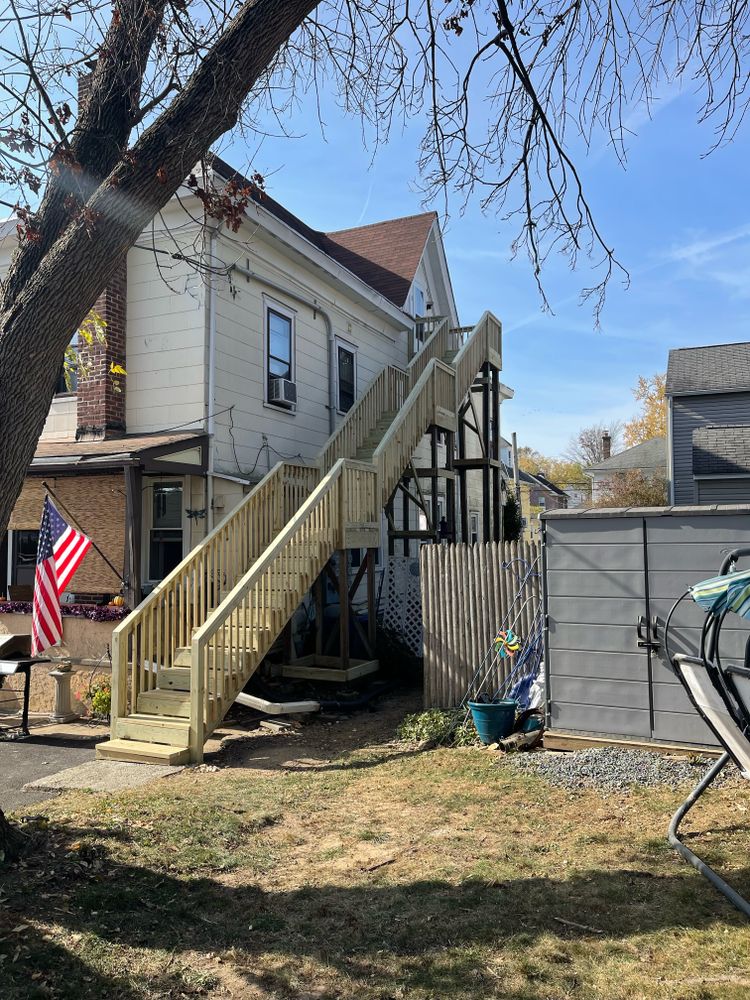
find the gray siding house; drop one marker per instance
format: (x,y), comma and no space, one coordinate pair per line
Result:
(708,397)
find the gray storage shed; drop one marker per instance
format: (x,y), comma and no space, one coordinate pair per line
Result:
(611,577)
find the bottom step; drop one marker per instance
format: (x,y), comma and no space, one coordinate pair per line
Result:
(139,752)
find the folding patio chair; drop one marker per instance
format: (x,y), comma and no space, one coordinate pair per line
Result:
(721,695)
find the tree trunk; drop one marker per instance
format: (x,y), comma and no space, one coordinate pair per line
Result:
(39,318)
(12,841)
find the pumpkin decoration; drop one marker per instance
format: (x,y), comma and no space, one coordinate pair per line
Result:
(117,602)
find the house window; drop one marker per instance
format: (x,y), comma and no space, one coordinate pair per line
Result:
(473,527)
(165,532)
(23,558)
(279,347)
(69,384)
(346,376)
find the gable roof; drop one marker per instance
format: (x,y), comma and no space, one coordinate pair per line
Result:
(716,368)
(650,454)
(385,255)
(721,450)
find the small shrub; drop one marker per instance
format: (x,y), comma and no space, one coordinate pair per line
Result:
(436,726)
(101,699)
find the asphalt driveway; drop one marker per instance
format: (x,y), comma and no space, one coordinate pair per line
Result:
(45,753)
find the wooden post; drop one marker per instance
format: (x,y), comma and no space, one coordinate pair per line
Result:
(132,555)
(319,596)
(450,486)
(371,598)
(435,511)
(485,429)
(497,505)
(463,497)
(343,609)
(405,519)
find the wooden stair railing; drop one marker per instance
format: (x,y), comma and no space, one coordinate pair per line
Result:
(222,608)
(164,621)
(227,649)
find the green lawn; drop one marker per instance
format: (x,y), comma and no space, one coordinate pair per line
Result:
(381,873)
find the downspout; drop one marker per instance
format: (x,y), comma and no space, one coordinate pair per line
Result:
(210,404)
(316,308)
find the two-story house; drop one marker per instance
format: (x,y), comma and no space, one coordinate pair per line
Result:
(708,446)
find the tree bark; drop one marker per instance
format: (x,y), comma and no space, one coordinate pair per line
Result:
(49,304)
(12,841)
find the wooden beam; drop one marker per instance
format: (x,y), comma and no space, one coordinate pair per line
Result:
(319,598)
(450,486)
(371,599)
(475,463)
(133,518)
(462,491)
(425,535)
(343,609)
(424,473)
(486,438)
(434,460)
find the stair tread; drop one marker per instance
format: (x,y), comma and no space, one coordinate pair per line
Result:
(146,718)
(135,750)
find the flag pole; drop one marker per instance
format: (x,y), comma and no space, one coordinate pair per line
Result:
(77,526)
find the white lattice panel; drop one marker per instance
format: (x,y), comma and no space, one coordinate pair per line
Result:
(401,600)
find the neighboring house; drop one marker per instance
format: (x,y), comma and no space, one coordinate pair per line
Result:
(649,457)
(255,355)
(536,493)
(708,396)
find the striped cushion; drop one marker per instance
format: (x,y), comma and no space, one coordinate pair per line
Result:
(724,593)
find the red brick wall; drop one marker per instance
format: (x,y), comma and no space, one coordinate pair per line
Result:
(101,407)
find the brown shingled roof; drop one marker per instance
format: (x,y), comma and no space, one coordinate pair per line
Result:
(384,254)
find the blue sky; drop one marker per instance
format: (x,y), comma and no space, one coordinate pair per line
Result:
(679,221)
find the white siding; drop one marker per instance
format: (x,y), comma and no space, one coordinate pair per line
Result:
(240,359)
(165,385)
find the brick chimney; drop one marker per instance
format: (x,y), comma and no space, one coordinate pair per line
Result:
(606,445)
(100,406)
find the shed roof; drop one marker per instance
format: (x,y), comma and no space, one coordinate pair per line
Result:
(112,450)
(650,454)
(721,450)
(716,368)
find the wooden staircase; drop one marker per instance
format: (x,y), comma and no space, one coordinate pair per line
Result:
(182,656)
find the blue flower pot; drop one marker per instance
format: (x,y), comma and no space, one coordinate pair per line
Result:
(493,721)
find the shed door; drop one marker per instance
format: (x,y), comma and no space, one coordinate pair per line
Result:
(596,592)
(682,551)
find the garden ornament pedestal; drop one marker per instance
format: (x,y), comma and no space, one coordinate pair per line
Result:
(62,711)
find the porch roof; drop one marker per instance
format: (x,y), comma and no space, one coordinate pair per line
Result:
(161,449)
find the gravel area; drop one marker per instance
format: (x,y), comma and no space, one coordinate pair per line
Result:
(615,768)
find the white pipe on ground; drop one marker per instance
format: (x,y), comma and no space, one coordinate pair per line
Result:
(277,707)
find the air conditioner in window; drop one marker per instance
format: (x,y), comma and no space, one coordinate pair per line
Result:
(283,392)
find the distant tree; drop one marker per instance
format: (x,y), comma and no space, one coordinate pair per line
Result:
(512,520)
(559,471)
(651,421)
(633,488)
(587,447)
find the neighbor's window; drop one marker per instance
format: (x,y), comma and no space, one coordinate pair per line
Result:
(346,363)
(474,527)
(165,533)
(279,346)
(23,565)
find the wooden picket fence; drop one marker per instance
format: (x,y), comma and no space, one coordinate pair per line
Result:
(466,593)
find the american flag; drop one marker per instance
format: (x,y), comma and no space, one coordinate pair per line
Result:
(58,555)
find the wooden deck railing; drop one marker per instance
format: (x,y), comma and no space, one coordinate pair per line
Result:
(165,619)
(228,647)
(481,345)
(386,393)
(437,346)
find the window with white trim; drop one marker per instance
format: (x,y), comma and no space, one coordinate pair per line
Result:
(279,352)
(346,375)
(165,532)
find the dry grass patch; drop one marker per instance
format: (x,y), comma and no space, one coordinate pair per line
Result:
(377,875)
